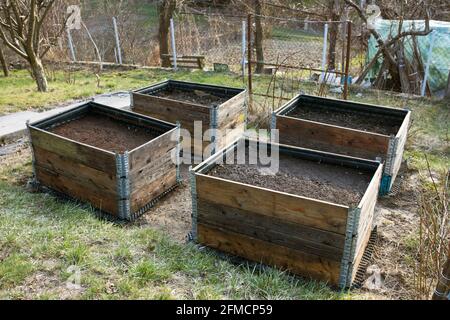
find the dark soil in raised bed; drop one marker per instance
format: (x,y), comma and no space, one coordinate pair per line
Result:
(195,96)
(332,183)
(105,133)
(353,120)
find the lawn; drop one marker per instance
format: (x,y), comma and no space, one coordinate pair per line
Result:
(47,244)
(18,92)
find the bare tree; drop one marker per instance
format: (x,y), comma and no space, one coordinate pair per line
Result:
(259,36)
(392,49)
(166,9)
(21,24)
(335,9)
(3,62)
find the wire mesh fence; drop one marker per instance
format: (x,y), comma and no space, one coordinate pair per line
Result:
(133,41)
(218,38)
(288,52)
(294,56)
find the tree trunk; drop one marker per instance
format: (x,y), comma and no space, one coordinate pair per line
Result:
(259,38)
(166,9)
(4,63)
(39,74)
(333,7)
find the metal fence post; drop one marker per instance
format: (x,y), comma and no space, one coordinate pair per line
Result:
(71,47)
(116,33)
(347,59)
(244,37)
(427,66)
(174,49)
(324,51)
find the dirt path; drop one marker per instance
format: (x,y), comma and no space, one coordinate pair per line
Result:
(394,254)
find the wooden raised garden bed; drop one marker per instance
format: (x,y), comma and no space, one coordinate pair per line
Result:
(314,217)
(118,161)
(221,109)
(349,128)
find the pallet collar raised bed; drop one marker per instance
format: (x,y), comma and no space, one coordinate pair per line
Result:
(352,226)
(354,142)
(232,114)
(56,159)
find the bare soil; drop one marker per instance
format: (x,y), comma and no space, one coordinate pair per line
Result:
(394,260)
(369,122)
(105,133)
(172,213)
(337,184)
(194,96)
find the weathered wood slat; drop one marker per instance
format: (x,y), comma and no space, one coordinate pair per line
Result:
(152,171)
(230,136)
(273,230)
(329,138)
(232,112)
(309,212)
(95,179)
(154,149)
(99,199)
(401,137)
(90,156)
(261,251)
(140,197)
(172,111)
(366,218)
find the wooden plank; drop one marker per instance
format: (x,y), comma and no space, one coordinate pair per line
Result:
(172,111)
(99,199)
(329,138)
(366,219)
(89,156)
(95,179)
(140,197)
(230,136)
(273,230)
(152,150)
(156,169)
(300,210)
(401,137)
(232,112)
(301,263)
(367,210)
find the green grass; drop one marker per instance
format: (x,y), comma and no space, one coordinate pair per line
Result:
(296,35)
(18,92)
(43,235)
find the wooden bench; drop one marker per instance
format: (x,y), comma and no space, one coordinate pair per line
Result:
(190,62)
